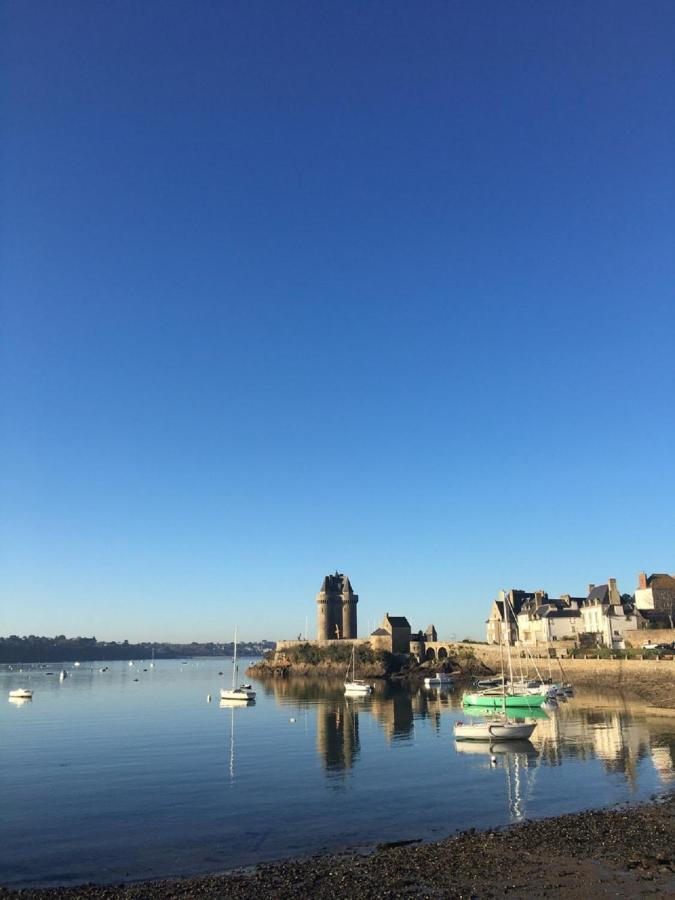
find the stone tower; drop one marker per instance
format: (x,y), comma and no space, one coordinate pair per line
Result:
(336,608)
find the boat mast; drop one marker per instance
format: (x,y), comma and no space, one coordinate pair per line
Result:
(501,665)
(234,660)
(508,637)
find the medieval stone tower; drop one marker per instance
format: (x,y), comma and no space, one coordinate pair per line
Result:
(336,608)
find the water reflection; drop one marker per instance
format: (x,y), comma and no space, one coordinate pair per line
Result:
(337,736)
(590,726)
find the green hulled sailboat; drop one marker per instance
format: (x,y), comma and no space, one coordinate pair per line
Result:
(495,699)
(505,697)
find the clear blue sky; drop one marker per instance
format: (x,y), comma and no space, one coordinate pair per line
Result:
(289,287)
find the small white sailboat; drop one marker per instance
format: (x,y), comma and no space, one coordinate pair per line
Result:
(21,694)
(495,728)
(242,694)
(355,685)
(62,674)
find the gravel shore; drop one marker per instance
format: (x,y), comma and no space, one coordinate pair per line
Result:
(626,852)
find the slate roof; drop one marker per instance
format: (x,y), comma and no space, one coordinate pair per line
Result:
(600,592)
(398,621)
(379,631)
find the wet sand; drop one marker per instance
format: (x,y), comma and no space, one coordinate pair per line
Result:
(625,852)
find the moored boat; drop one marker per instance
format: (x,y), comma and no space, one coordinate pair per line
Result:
(242,694)
(21,694)
(494,728)
(439,679)
(497,700)
(352,684)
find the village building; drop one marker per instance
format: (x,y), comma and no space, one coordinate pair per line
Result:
(655,598)
(509,604)
(554,620)
(394,634)
(606,617)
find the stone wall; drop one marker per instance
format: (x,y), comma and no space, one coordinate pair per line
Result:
(656,635)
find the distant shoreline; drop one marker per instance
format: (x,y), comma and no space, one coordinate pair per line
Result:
(30,650)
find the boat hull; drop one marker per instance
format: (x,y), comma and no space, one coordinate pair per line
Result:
(497,701)
(353,688)
(494,731)
(241,695)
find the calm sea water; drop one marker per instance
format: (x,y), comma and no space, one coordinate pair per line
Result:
(104,777)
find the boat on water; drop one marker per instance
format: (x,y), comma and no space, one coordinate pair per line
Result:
(495,728)
(506,696)
(62,674)
(531,712)
(242,694)
(21,694)
(439,679)
(355,685)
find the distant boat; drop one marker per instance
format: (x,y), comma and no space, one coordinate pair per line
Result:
(440,679)
(62,674)
(244,693)
(152,664)
(20,694)
(76,664)
(355,685)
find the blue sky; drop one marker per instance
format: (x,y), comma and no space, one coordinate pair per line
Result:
(291,287)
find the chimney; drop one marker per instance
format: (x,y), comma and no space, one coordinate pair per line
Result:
(613,593)
(642,581)
(590,588)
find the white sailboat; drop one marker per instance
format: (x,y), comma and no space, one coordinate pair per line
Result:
(244,693)
(355,685)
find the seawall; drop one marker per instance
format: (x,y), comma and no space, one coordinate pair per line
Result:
(651,680)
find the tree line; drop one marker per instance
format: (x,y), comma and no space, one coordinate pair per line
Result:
(32,648)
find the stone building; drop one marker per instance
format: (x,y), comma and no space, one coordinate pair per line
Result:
(515,600)
(606,617)
(336,609)
(655,598)
(394,634)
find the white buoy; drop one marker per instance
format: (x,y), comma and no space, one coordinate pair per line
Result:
(292,721)
(208,698)
(493,760)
